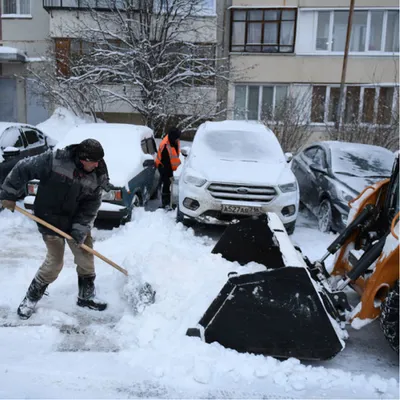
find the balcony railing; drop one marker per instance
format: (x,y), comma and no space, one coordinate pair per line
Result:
(83,4)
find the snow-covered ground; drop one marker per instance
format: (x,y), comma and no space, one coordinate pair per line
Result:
(123,355)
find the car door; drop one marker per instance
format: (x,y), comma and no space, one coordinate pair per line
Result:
(153,172)
(11,137)
(302,171)
(318,178)
(35,140)
(143,181)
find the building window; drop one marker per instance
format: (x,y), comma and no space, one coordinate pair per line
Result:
(259,102)
(16,7)
(263,30)
(372,31)
(369,105)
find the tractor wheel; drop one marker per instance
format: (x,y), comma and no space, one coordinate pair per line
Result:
(390,317)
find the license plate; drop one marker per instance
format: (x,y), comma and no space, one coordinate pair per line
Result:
(243,210)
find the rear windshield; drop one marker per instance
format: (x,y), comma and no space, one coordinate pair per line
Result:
(363,161)
(246,146)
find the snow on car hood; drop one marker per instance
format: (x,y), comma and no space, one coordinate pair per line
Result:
(238,152)
(242,171)
(357,184)
(122,147)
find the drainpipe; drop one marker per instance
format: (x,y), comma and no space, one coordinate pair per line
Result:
(339,117)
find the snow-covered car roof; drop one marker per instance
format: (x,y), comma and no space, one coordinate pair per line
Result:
(360,159)
(238,140)
(5,125)
(122,147)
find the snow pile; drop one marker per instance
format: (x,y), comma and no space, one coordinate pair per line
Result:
(61,122)
(128,355)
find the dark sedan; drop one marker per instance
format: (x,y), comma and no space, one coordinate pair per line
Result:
(18,141)
(330,174)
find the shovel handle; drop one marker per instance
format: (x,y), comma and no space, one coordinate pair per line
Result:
(66,236)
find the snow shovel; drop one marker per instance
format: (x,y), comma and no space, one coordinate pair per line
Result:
(66,236)
(146,292)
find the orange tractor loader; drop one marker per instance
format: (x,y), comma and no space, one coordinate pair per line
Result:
(296,308)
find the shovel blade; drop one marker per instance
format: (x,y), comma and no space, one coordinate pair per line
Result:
(277,313)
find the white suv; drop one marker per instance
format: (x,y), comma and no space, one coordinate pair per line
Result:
(236,169)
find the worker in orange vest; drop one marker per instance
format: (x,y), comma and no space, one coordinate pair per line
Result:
(167,162)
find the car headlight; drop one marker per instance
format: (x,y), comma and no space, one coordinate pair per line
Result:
(288,187)
(194,180)
(112,195)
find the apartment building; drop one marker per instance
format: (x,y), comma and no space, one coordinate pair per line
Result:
(24,30)
(65,26)
(296,47)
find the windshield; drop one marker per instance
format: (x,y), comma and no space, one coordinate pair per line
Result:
(242,146)
(362,161)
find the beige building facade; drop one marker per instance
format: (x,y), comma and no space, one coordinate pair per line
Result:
(70,17)
(296,47)
(24,32)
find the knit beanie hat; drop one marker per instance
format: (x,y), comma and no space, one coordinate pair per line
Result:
(90,150)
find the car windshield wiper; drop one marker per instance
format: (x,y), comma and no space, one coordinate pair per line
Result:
(348,174)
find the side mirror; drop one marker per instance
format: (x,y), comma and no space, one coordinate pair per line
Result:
(10,152)
(185,151)
(148,163)
(317,168)
(289,157)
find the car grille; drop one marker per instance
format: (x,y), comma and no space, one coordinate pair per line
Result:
(224,191)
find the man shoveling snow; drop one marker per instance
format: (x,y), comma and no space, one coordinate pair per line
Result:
(68,197)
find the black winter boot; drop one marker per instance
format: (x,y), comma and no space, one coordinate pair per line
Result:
(33,295)
(87,294)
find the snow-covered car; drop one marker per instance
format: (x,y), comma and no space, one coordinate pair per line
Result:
(331,173)
(18,141)
(130,152)
(236,169)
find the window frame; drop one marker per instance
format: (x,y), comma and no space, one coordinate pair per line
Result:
(20,137)
(366,51)
(17,10)
(359,118)
(263,22)
(40,142)
(260,100)
(324,163)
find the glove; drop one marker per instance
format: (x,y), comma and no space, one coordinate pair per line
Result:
(79,236)
(9,204)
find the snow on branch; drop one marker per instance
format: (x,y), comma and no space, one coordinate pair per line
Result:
(159,57)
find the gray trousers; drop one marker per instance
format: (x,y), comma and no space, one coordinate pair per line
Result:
(54,261)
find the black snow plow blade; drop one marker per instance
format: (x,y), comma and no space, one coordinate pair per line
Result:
(277,313)
(250,240)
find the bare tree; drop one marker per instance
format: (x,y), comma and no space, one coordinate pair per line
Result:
(54,88)
(289,120)
(155,56)
(381,130)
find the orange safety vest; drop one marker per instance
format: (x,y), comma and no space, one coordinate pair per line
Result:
(173,154)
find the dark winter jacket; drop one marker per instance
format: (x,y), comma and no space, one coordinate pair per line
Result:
(165,168)
(68,197)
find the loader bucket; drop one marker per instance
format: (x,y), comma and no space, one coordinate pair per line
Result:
(250,240)
(277,313)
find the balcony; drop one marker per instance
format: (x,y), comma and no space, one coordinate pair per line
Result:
(100,5)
